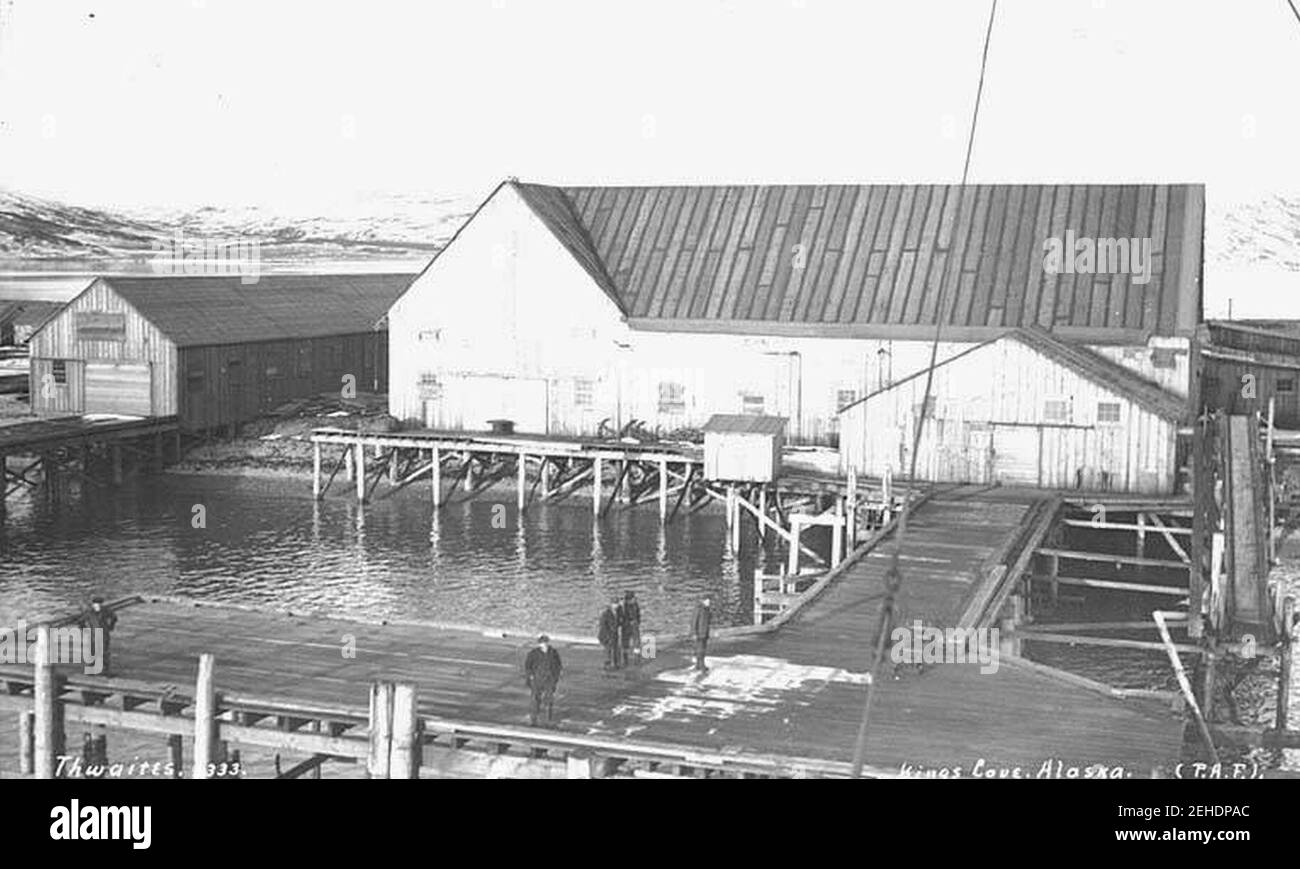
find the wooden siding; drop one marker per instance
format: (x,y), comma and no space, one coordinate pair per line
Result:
(980,398)
(141,343)
(233,383)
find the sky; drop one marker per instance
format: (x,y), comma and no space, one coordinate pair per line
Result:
(303,105)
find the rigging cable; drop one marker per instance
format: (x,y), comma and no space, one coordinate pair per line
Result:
(894,576)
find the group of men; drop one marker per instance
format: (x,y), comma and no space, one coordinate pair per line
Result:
(620,634)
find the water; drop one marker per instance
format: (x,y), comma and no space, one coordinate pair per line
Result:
(267,543)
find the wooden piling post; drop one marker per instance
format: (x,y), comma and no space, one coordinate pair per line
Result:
(378,763)
(1141,534)
(315,471)
(176,754)
(837,534)
(663,490)
(762,511)
(1054,568)
(392,467)
(852,500)
(887,496)
(595,486)
(405,760)
(205,722)
(348,468)
(47,742)
(361,472)
(437,478)
(521,483)
(1286,662)
(26,746)
(796,528)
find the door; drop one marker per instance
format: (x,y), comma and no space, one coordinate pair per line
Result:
(1015,455)
(118,387)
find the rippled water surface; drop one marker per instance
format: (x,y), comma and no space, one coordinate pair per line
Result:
(266,542)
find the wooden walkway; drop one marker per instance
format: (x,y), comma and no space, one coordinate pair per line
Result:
(796,691)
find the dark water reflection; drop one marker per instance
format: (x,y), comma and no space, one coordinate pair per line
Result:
(266,542)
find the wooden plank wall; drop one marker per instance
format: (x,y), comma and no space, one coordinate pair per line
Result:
(216,393)
(1004,384)
(141,343)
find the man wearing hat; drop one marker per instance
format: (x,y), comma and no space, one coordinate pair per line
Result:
(101,621)
(541,674)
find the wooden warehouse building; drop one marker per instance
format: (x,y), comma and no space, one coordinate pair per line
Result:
(1025,409)
(214,351)
(21,319)
(576,310)
(1243,364)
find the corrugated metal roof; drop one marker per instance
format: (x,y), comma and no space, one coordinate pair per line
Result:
(873,255)
(202,310)
(1084,362)
(744,423)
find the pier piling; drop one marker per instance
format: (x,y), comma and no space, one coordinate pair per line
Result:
(379,759)
(48,712)
(1285,663)
(405,755)
(205,701)
(26,733)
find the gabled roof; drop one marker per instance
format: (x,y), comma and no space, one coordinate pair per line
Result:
(203,310)
(868,259)
(1082,361)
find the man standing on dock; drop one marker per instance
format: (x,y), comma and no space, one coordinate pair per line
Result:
(700,630)
(608,636)
(101,623)
(542,674)
(631,627)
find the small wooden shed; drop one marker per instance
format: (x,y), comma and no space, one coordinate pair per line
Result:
(743,447)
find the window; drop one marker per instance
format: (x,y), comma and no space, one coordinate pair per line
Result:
(1056,410)
(195,380)
(845,397)
(1285,384)
(429,387)
(672,398)
(304,361)
(583,392)
(59,368)
(751,403)
(1108,411)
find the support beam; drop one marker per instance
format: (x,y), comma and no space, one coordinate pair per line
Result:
(205,707)
(26,742)
(379,759)
(663,490)
(405,761)
(437,478)
(1167,533)
(595,487)
(176,754)
(359,460)
(1112,559)
(47,743)
(1285,664)
(521,481)
(315,472)
(1186,686)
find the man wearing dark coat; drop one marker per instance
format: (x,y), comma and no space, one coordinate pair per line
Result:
(542,673)
(608,636)
(700,630)
(102,621)
(631,627)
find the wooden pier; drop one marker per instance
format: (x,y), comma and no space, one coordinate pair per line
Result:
(97,450)
(781,699)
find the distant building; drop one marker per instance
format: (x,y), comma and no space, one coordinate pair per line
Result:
(1245,363)
(212,350)
(576,310)
(20,319)
(1025,409)
(741,447)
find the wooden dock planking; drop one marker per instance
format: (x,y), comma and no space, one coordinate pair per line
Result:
(800,686)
